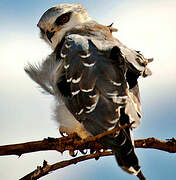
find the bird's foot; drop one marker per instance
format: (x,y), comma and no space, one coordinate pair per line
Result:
(64,131)
(83,151)
(73,153)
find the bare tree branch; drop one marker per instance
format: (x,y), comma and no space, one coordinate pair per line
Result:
(169,146)
(70,143)
(153,143)
(73,143)
(42,171)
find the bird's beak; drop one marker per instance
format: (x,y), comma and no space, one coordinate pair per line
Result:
(50,35)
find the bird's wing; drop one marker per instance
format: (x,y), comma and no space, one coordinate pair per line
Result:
(136,62)
(103,70)
(99,95)
(97,84)
(136,65)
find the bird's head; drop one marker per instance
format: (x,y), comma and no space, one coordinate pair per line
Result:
(58,20)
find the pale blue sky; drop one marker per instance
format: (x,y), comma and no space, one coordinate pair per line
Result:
(26,114)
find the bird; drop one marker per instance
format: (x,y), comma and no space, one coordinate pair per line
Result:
(93,78)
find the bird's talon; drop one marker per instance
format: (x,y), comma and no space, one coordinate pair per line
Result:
(63,134)
(84,151)
(92,151)
(73,153)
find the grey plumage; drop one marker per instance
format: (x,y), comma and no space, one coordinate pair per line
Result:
(94,78)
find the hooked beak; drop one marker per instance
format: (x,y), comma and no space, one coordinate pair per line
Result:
(50,35)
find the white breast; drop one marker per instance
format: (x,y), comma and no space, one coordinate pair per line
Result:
(68,123)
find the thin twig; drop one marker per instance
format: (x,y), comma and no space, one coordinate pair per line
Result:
(42,171)
(169,146)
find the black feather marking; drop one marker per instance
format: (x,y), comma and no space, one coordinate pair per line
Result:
(64,86)
(58,49)
(131,78)
(74,88)
(124,119)
(115,53)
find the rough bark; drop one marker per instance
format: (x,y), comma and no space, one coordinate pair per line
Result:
(74,144)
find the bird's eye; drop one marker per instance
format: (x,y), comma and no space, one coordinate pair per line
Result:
(63,19)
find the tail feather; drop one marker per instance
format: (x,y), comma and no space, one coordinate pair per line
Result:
(125,153)
(129,163)
(122,146)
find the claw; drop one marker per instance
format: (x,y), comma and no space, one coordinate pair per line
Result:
(63,134)
(96,150)
(92,151)
(84,151)
(63,131)
(73,153)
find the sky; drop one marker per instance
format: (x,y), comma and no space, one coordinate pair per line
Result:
(26,113)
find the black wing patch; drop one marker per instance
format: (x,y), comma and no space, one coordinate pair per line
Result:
(97,83)
(103,93)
